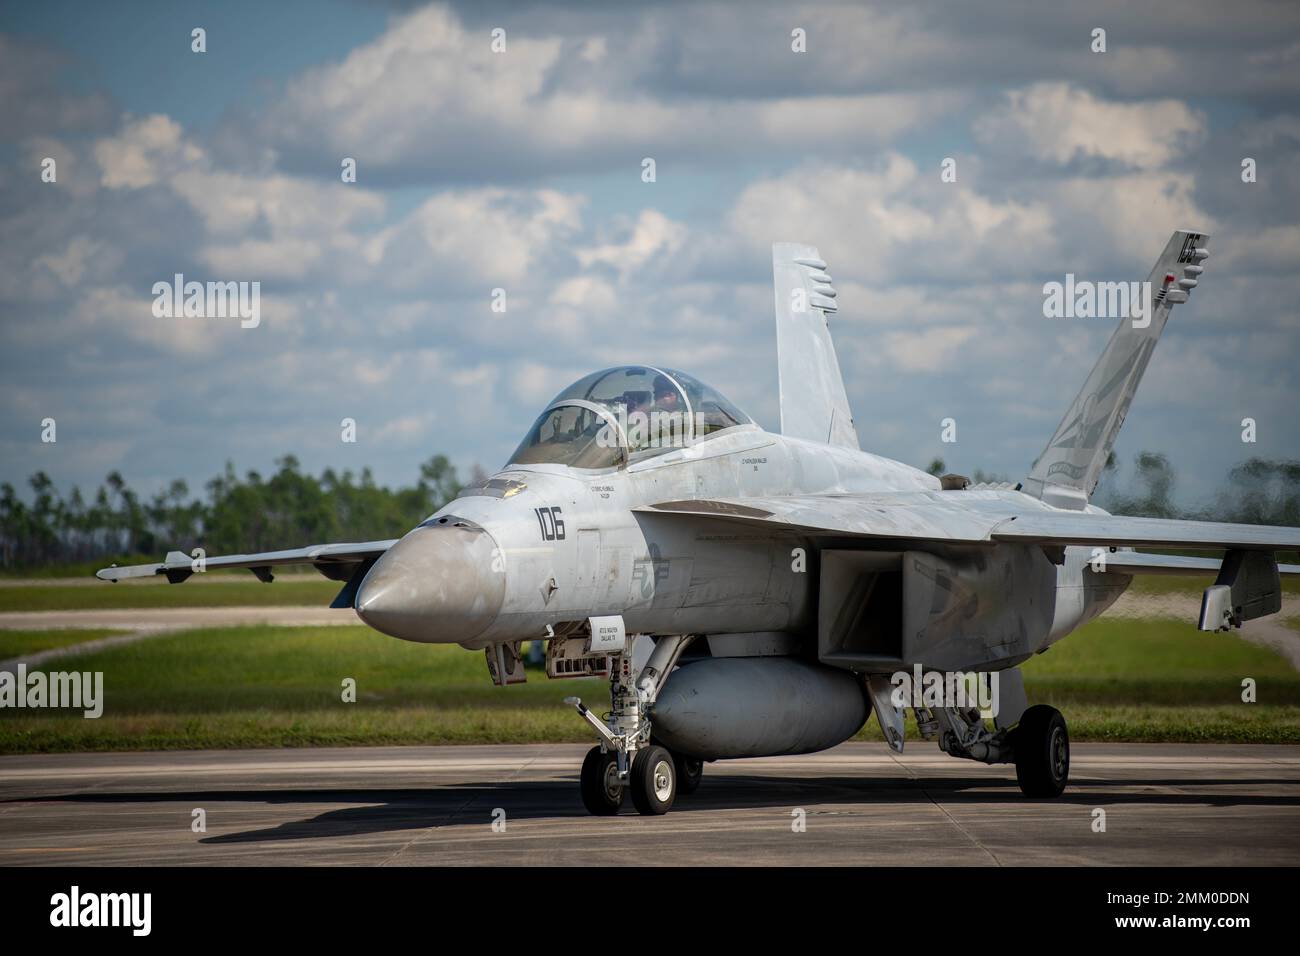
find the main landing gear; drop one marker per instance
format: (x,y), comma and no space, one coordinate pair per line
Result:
(1039,744)
(627,761)
(1042,747)
(689,774)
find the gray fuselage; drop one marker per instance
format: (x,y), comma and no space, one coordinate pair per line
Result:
(540,548)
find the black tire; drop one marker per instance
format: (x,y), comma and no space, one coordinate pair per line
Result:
(653,781)
(1042,748)
(689,773)
(601,797)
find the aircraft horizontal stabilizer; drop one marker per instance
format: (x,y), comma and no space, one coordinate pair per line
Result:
(1175,565)
(1098,529)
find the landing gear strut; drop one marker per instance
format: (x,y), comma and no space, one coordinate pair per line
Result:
(627,760)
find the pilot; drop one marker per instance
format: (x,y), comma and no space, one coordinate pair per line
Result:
(666,397)
(637,406)
(667,428)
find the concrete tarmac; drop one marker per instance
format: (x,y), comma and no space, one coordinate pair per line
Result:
(1164,804)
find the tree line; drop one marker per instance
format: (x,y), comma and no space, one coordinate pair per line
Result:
(253,513)
(1256,491)
(292,509)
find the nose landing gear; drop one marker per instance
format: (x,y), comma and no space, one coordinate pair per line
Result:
(627,761)
(602,790)
(653,781)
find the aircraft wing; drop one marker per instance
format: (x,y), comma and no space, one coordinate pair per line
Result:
(974,517)
(336,561)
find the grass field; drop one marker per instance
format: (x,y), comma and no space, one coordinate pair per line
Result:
(1163,662)
(19,643)
(272,687)
(224,590)
(259,687)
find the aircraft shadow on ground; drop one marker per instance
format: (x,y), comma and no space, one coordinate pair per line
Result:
(381,810)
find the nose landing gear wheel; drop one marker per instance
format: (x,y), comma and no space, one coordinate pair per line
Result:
(1042,749)
(602,792)
(653,781)
(689,772)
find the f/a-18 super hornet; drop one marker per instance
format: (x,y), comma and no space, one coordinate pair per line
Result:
(751,594)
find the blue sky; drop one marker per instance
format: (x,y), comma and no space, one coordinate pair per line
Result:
(139,52)
(522,170)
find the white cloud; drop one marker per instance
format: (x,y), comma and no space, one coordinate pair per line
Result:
(890,221)
(259,226)
(534,383)
(488,236)
(81,257)
(144,152)
(429,94)
(232,204)
(1058,122)
(405,429)
(585,292)
(69,164)
(654,234)
(1133,213)
(1276,247)
(104,312)
(926,350)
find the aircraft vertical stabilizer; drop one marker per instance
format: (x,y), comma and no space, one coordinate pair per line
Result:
(1067,471)
(813,403)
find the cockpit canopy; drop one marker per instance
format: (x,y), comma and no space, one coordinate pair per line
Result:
(625,414)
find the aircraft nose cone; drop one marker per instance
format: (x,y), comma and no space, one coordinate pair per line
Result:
(439,584)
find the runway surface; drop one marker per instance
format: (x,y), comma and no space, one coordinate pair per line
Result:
(1169,804)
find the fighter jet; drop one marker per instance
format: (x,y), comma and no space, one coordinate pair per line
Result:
(753,594)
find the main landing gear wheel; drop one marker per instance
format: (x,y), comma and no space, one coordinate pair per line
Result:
(602,791)
(689,773)
(653,780)
(1042,748)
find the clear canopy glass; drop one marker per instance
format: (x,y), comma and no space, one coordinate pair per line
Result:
(633,410)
